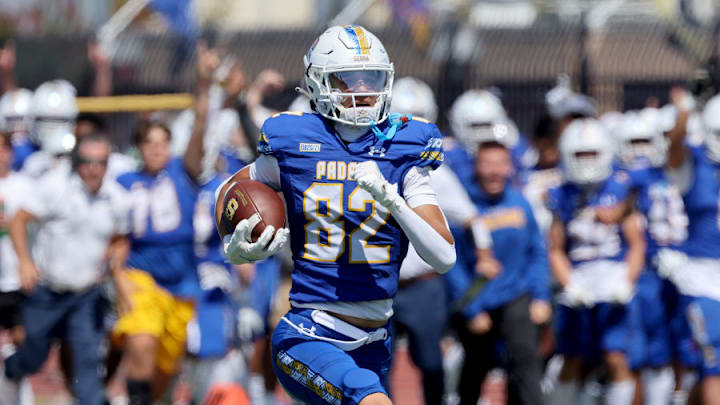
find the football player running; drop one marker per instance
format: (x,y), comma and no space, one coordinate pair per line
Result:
(694,170)
(597,265)
(642,185)
(355,181)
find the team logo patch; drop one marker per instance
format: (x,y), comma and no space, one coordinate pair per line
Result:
(310,147)
(379,152)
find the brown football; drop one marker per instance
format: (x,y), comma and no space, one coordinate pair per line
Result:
(245,198)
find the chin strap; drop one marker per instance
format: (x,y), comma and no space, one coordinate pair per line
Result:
(396,120)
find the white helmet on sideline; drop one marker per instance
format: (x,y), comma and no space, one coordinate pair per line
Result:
(15,111)
(343,66)
(586,151)
(711,122)
(54,110)
(477,116)
(641,140)
(413,96)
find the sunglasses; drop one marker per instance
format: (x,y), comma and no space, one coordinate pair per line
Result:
(87,161)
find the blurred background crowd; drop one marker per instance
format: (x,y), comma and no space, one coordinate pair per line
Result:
(115,68)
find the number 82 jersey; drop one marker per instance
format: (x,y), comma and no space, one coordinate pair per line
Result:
(346,247)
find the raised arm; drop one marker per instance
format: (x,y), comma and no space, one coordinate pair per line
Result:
(677,152)
(7,67)
(102,69)
(208,61)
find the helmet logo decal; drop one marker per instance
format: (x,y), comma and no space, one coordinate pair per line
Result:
(357,35)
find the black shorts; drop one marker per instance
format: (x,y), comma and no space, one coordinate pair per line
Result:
(10,309)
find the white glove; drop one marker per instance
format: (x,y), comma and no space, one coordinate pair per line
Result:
(371,180)
(577,295)
(249,324)
(670,263)
(239,249)
(622,292)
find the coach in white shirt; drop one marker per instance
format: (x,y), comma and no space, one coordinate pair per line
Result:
(82,221)
(13,187)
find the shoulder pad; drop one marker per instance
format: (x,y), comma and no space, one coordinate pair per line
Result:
(282,126)
(427,141)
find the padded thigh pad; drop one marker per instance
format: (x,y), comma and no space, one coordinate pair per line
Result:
(360,382)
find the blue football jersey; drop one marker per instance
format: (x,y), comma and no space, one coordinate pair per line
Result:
(658,200)
(587,239)
(162,226)
(345,246)
(208,246)
(22,147)
(701,205)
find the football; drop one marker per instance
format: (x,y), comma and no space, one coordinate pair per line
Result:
(245,198)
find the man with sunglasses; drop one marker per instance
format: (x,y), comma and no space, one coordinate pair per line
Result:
(81,222)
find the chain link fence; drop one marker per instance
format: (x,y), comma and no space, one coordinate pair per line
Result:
(624,65)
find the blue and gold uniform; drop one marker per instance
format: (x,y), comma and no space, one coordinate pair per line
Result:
(346,248)
(591,247)
(662,205)
(163,260)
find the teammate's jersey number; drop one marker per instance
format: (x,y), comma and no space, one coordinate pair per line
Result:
(325,231)
(667,221)
(159,203)
(592,239)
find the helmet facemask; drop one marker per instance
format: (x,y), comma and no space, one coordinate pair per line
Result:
(645,151)
(54,134)
(357,95)
(588,167)
(473,134)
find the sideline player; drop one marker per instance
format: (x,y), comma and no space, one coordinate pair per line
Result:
(516,299)
(13,188)
(423,318)
(155,293)
(694,171)
(597,265)
(643,184)
(356,186)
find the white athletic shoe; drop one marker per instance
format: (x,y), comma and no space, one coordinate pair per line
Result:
(9,389)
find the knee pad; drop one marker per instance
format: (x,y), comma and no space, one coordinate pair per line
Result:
(360,382)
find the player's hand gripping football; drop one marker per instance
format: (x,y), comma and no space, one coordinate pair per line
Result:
(239,249)
(371,180)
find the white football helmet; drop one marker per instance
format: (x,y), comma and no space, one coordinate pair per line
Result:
(641,140)
(15,111)
(477,116)
(586,151)
(413,96)
(711,122)
(54,110)
(346,64)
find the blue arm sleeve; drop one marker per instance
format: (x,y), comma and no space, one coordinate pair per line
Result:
(538,268)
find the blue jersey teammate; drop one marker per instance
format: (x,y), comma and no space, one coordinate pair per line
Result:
(155,295)
(355,182)
(695,273)
(642,183)
(596,263)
